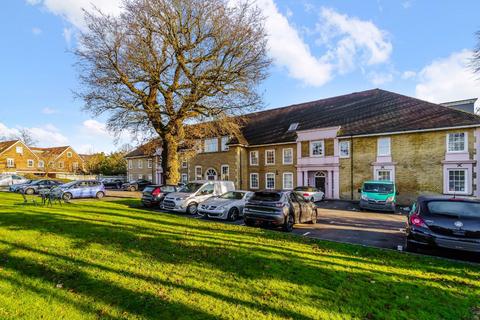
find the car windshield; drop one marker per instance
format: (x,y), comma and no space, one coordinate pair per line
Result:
(266,196)
(378,187)
(149,188)
(234,195)
(191,187)
(455,208)
(68,185)
(34,183)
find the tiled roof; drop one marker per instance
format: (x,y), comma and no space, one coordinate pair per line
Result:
(147,149)
(4,145)
(366,112)
(50,151)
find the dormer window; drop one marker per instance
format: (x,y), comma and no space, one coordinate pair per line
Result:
(293,126)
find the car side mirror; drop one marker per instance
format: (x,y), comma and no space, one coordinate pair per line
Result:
(359,190)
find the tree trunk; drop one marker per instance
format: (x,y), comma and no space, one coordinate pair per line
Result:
(170,163)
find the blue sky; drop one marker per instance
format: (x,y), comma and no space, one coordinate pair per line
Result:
(319,49)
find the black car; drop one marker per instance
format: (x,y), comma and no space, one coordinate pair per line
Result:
(444,222)
(279,208)
(153,195)
(40,185)
(136,185)
(113,183)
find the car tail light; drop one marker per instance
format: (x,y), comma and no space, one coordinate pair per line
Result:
(417,221)
(305,194)
(156,192)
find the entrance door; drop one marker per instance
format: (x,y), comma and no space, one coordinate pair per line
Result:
(320,181)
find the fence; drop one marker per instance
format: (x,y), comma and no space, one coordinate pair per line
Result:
(76,176)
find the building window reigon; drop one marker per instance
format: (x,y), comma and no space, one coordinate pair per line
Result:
(344,147)
(287,180)
(254,158)
(316,148)
(456,142)
(254,181)
(211,145)
(383,147)
(457,180)
(270,180)
(288,156)
(269,157)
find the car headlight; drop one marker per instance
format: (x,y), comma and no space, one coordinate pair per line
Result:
(179,199)
(364,197)
(390,199)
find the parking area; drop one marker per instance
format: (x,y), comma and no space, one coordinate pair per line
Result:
(342,221)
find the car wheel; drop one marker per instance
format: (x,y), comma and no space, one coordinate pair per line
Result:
(132,188)
(233,214)
(67,196)
(314,217)
(288,224)
(100,195)
(192,208)
(29,191)
(410,247)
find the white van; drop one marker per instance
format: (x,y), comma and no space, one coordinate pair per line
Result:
(193,193)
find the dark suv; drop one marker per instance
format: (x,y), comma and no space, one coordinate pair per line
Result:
(153,195)
(279,208)
(442,222)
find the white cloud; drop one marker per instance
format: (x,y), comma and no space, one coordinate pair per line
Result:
(47,135)
(407,4)
(96,128)
(67,35)
(48,110)
(289,51)
(36,31)
(71,10)
(448,79)
(409,74)
(352,41)
(378,78)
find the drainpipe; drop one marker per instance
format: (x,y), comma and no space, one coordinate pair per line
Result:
(351,167)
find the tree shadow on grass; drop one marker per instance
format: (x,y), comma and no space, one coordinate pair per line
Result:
(258,262)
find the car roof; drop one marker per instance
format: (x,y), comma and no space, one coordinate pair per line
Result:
(379,181)
(426,198)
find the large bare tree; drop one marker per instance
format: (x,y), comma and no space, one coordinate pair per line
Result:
(163,65)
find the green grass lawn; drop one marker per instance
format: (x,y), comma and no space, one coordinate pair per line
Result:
(111,260)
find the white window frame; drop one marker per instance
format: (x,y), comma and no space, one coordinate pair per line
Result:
(197,175)
(223,143)
(41,164)
(184,178)
(150,177)
(293,126)
(130,164)
(256,158)
(266,180)
(61,165)
(466,181)
(140,176)
(465,143)
(10,162)
(140,163)
(379,141)
(322,143)
(377,174)
(266,157)
(227,175)
(30,163)
(254,174)
(19,150)
(213,142)
(69,154)
(284,184)
(211,170)
(346,142)
(283,155)
(149,163)
(184,164)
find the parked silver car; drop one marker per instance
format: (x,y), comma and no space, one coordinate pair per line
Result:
(228,206)
(11,179)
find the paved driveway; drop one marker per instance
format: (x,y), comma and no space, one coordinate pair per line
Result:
(341,222)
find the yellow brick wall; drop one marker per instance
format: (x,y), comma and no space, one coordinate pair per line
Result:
(279,168)
(418,158)
(20,160)
(329,147)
